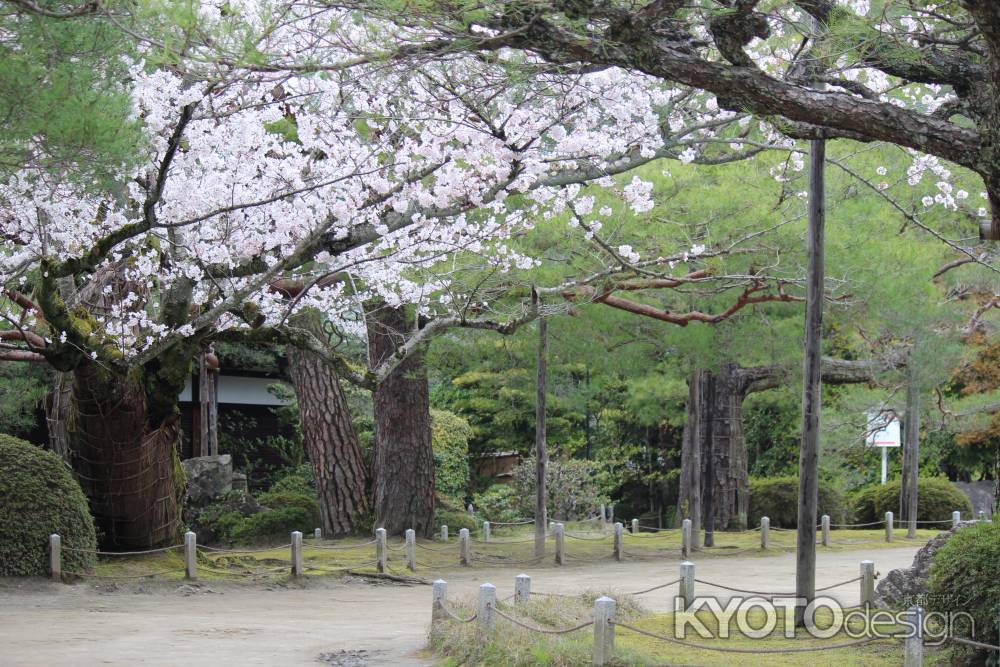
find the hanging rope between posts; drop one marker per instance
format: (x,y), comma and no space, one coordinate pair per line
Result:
(250,551)
(757,651)
(772,593)
(511,523)
(449,550)
(455,616)
(973,643)
(544,631)
(124,553)
(333,547)
(84,575)
(603,538)
(656,588)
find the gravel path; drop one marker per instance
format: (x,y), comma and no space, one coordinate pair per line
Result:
(345,624)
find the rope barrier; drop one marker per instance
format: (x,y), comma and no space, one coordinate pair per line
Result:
(124,553)
(973,643)
(587,539)
(530,561)
(438,551)
(544,631)
(730,649)
(511,523)
(335,547)
(123,576)
(455,616)
(656,588)
(249,551)
(657,530)
(770,593)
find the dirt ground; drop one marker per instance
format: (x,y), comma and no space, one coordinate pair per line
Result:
(351,623)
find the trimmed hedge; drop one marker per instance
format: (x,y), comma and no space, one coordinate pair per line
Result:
(38,497)
(963,578)
(455,521)
(778,499)
(450,435)
(937,498)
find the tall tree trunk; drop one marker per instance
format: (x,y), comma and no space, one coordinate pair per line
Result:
(805,554)
(208,413)
(58,408)
(690,494)
(403,469)
(911,453)
(126,455)
(331,442)
(541,451)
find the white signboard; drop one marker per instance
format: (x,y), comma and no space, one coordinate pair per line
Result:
(885,431)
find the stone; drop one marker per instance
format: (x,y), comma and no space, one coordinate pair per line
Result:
(239,482)
(907,586)
(208,477)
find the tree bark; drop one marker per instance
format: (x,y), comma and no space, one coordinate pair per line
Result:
(403,469)
(126,458)
(331,442)
(208,414)
(58,408)
(911,454)
(541,451)
(805,554)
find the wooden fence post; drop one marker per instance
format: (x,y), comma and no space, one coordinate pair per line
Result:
(380,550)
(825,525)
(487,610)
(560,533)
(611,513)
(604,630)
(867,583)
(463,547)
(55,556)
(522,588)
(686,538)
(765,532)
(411,549)
(296,553)
(439,597)
(888,526)
(619,552)
(686,585)
(913,644)
(190,555)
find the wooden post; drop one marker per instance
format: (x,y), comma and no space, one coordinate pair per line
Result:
(604,630)
(888,526)
(318,534)
(686,591)
(411,549)
(190,555)
(911,443)
(560,533)
(486,531)
(439,597)
(444,533)
(913,644)
(541,447)
(296,553)
(380,550)
(635,526)
(619,553)
(463,547)
(765,532)
(805,552)
(487,610)
(604,518)
(55,556)
(867,583)
(611,513)
(686,538)
(826,529)
(522,588)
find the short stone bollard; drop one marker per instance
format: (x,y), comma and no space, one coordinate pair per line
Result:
(619,552)
(439,597)
(686,586)
(297,553)
(470,509)
(982,515)
(559,531)
(487,610)
(380,550)
(486,531)
(604,519)
(635,526)
(888,526)
(867,583)
(463,547)
(825,524)
(444,533)
(318,534)
(956,518)
(55,556)
(686,538)
(913,644)
(411,549)
(604,630)
(765,532)
(522,588)
(190,556)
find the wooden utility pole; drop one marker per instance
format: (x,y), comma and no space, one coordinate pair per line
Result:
(911,451)
(208,404)
(805,556)
(541,451)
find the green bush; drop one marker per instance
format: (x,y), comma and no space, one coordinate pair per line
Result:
(500,503)
(276,524)
(963,578)
(778,499)
(937,498)
(455,521)
(575,488)
(450,436)
(38,497)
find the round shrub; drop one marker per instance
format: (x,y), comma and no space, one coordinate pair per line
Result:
(276,524)
(963,578)
(38,497)
(937,498)
(455,520)
(498,503)
(450,436)
(778,499)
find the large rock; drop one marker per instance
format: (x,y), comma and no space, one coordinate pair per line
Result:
(208,477)
(908,586)
(981,494)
